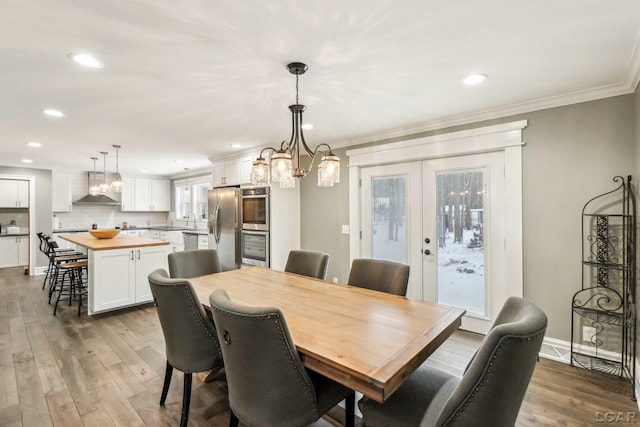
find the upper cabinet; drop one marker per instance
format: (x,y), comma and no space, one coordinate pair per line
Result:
(145,194)
(14,193)
(61,192)
(127,194)
(232,171)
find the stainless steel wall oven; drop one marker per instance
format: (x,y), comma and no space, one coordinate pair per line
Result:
(255,248)
(255,208)
(254,237)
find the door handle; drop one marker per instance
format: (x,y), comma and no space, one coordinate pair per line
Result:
(218,227)
(427,252)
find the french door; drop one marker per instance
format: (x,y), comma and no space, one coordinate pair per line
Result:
(446,219)
(392,216)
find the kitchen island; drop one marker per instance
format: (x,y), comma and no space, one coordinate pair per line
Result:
(118,269)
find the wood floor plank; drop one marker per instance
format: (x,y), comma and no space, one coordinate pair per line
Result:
(108,370)
(10,416)
(33,404)
(63,410)
(8,385)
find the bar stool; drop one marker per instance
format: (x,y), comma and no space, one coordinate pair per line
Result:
(57,275)
(75,286)
(50,248)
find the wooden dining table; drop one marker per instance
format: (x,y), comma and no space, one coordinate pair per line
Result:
(367,340)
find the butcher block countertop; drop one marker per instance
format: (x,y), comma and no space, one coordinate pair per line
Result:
(121,241)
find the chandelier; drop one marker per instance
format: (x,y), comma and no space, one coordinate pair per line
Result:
(285,164)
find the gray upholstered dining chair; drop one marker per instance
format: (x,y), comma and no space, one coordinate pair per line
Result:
(198,262)
(268,384)
(380,275)
(491,389)
(191,341)
(308,263)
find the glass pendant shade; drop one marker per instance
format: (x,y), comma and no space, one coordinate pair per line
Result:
(260,174)
(329,171)
(288,180)
(116,184)
(281,166)
(94,190)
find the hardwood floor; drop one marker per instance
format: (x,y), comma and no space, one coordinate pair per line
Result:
(108,370)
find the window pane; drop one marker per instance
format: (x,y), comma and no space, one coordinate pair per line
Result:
(460,233)
(389,240)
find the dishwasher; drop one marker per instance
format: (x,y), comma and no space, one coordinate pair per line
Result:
(190,241)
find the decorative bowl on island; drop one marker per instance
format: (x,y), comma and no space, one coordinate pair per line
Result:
(104,234)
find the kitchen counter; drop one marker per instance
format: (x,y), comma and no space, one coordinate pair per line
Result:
(118,269)
(130,228)
(119,242)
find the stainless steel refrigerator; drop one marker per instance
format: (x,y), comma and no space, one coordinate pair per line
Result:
(224,225)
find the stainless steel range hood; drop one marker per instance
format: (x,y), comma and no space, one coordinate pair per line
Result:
(100,199)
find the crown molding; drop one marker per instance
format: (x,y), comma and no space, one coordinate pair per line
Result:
(625,87)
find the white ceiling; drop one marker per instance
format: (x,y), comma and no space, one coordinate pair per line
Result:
(185,80)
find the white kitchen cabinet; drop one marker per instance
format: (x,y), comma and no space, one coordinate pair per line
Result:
(127,194)
(232,171)
(175,239)
(145,194)
(119,276)
(176,247)
(137,233)
(217,174)
(14,193)
(203,241)
(14,251)
(61,192)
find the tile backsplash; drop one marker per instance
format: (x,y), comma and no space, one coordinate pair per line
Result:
(83,216)
(19,216)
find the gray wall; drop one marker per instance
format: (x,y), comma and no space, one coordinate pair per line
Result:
(571,155)
(43,203)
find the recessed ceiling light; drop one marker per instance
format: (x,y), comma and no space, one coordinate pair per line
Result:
(34,144)
(179,161)
(86,60)
(144,171)
(236,145)
(474,79)
(307,126)
(53,113)
(27,161)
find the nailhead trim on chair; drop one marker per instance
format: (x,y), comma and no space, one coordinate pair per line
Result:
(477,388)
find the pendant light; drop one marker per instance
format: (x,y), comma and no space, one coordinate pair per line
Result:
(104,187)
(187,191)
(94,190)
(116,184)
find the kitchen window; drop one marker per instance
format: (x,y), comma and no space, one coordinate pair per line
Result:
(193,201)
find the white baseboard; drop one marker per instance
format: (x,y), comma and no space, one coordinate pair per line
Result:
(40,271)
(560,351)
